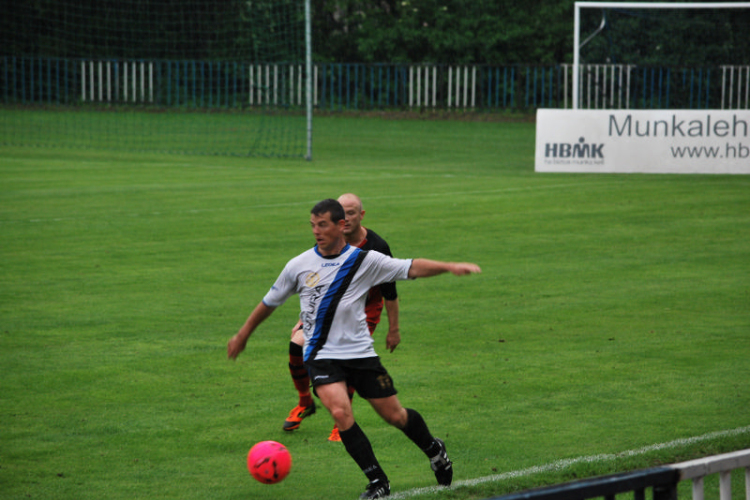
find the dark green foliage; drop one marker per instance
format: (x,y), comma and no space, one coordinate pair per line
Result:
(348,31)
(444,31)
(689,37)
(153,29)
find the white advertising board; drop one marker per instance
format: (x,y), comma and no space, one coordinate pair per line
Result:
(643,141)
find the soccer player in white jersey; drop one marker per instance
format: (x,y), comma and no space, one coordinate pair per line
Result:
(386,294)
(332,280)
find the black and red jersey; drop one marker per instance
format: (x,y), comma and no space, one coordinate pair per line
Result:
(387,291)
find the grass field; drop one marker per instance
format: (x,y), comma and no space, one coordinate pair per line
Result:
(179,131)
(612,314)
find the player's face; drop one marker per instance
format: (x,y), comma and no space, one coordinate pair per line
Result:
(354,214)
(328,235)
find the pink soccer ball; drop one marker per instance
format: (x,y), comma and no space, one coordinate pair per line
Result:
(269,462)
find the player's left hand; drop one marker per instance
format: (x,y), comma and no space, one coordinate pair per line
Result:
(463,268)
(393,339)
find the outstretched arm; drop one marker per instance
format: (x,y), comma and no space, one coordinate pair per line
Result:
(237,343)
(424,268)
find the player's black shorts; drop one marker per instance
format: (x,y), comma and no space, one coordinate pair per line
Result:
(367,375)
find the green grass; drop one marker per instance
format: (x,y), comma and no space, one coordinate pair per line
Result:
(183,131)
(612,314)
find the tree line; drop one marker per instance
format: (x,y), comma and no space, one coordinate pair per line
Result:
(491,32)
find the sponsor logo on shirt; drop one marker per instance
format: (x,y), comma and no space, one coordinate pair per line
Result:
(312,279)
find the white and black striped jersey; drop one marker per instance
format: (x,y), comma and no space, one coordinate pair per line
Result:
(332,292)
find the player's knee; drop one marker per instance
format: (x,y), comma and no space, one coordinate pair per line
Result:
(397,418)
(340,414)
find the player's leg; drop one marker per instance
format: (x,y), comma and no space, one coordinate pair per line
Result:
(413,425)
(334,396)
(335,433)
(336,400)
(301,379)
(335,437)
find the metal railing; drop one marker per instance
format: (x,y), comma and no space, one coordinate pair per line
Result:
(723,465)
(662,481)
(358,87)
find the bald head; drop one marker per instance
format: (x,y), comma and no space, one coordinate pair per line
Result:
(353,230)
(352,200)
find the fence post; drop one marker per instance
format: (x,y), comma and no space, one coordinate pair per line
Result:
(725,485)
(665,492)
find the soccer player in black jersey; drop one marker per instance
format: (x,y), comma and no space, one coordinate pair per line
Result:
(366,239)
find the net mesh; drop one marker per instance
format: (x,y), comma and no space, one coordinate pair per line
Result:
(664,58)
(673,37)
(212,77)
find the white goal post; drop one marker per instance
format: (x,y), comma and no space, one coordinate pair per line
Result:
(308,80)
(630,5)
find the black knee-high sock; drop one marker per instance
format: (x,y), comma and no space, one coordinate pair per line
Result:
(360,449)
(416,429)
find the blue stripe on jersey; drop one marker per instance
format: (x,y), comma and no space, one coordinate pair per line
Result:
(320,334)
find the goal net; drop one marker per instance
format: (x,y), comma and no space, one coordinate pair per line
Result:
(194,76)
(658,55)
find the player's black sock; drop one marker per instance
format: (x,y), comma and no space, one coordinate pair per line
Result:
(416,429)
(358,446)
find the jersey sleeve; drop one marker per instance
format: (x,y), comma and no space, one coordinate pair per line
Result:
(284,287)
(384,269)
(388,290)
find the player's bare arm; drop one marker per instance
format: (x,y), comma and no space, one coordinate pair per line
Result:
(424,268)
(237,343)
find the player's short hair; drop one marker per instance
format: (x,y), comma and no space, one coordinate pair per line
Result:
(331,206)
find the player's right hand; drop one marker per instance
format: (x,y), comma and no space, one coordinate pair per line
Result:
(235,346)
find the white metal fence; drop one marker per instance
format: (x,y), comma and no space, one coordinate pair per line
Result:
(107,81)
(202,84)
(612,86)
(735,88)
(723,465)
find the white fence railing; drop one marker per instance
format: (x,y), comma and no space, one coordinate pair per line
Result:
(207,84)
(601,86)
(723,465)
(106,81)
(735,89)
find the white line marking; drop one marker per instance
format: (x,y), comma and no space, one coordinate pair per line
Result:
(562,464)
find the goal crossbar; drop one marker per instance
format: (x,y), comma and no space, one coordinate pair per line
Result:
(631,5)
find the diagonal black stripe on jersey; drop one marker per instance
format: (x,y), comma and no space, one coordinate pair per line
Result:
(334,304)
